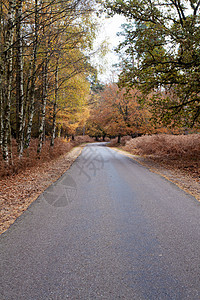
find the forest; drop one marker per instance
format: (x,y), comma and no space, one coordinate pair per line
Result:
(49,89)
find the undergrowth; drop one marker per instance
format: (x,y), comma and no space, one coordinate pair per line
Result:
(165,145)
(174,152)
(31,158)
(124,140)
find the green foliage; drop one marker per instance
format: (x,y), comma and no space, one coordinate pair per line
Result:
(162,53)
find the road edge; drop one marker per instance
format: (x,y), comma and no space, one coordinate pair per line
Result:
(155,170)
(70,157)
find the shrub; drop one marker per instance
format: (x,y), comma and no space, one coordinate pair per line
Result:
(165,145)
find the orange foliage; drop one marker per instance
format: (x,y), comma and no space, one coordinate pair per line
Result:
(166,145)
(118,113)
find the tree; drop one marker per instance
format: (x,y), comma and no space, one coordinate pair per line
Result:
(162,53)
(32,74)
(43,46)
(118,113)
(72,104)
(1,75)
(53,133)
(8,63)
(19,77)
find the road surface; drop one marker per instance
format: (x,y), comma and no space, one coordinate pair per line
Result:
(107,229)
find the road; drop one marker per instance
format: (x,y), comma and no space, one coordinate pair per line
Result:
(107,229)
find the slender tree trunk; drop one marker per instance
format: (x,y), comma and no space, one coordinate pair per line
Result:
(33,79)
(8,57)
(10,144)
(84,130)
(59,131)
(1,117)
(44,102)
(119,139)
(55,104)
(19,80)
(1,79)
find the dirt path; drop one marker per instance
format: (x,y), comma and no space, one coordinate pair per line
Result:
(19,191)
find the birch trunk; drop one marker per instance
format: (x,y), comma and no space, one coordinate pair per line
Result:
(44,102)
(8,59)
(19,80)
(33,79)
(55,105)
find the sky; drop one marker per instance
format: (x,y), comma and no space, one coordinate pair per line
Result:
(109,29)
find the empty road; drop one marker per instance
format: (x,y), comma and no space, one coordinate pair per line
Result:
(107,229)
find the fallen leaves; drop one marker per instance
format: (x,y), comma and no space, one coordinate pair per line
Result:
(17,192)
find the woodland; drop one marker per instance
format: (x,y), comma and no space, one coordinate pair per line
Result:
(51,98)
(49,89)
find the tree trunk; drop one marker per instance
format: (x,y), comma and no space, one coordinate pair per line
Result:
(55,104)
(83,130)
(1,117)
(8,60)
(44,102)
(1,79)
(119,139)
(59,131)
(33,79)
(19,80)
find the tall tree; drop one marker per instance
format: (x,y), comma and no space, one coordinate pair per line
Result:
(162,52)
(55,103)
(118,113)
(32,77)
(19,78)
(32,33)
(1,75)
(8,62)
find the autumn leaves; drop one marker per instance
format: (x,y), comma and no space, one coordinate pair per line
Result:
(44,69)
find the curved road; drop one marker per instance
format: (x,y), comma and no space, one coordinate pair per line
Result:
(107,229)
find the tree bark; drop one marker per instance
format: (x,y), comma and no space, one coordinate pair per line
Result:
(59,131)
(19,80)
(119,139)
(33,79)
(44,102)
(1,116)
(55,104)
(1,78)
(8,60)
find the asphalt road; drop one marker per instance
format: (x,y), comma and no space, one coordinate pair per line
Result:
(108,229)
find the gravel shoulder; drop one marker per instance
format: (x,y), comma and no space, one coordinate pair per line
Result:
(183,179)
(19,191)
